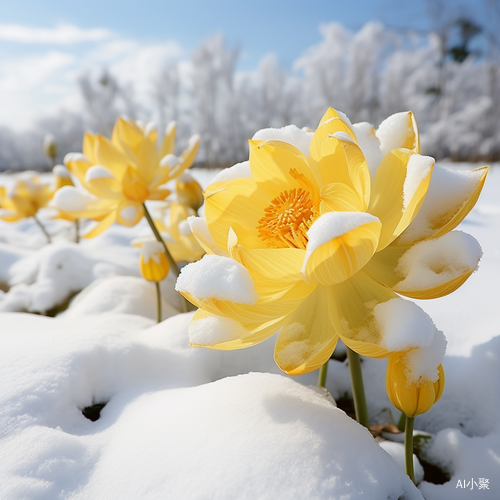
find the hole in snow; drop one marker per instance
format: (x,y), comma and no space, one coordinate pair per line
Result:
(93,412)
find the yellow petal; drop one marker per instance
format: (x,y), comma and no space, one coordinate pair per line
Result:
(168,143)
(200,231)
(340,244)
(330,124)
(134,186)
(111,157)
(277,165)
(189,153)
(101,183)
(451,196)
(353,302)
(239,204)
(434,268)
(307,338)
(127,137)
(276,272)
(89,146)
(398,190)
(343,161)
(217,332)
(338,197)
(107,222)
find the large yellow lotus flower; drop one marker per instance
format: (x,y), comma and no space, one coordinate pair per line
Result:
(124,172)
(24,198)
(314,244)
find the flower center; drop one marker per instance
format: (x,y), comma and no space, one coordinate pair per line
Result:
(287,219)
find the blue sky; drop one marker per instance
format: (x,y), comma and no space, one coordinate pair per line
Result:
(44,46)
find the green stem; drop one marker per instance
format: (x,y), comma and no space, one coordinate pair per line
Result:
(47,235)
(77,230)
(173,264)
(358,389)
(323,371)
(402,422)
(409,447)
(158,302)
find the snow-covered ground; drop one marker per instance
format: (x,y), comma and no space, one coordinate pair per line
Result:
(189,423)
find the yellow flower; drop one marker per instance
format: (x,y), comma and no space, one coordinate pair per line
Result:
(329,247)
(24,198)
(408,395)
(175,231)
(153,263)
(50,147)
(127,170)
(189,192)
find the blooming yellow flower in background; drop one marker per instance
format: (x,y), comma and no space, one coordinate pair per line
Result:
(126,171)
(329,244)
(153,263)
(24,198)
(410,396)
(175,230)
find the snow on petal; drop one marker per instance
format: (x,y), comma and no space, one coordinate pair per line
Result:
(434,262)
(394,131)
(130,214)
(216,277)
(291,134)
(403,325)
(235,172)
(98,172)
(417,170)
(369,144)
(211,330)
(69,199)
(449,191)
(424,361)
(340,244)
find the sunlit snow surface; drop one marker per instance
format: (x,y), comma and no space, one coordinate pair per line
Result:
(182,422)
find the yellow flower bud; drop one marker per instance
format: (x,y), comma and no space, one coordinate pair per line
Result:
(189,192)
(153,263)
(50,146)
(410,396)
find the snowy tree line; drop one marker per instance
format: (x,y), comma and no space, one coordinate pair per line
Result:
(450,79)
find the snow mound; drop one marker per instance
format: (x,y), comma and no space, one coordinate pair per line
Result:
(298,137)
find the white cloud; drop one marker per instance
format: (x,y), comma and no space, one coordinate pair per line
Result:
(63,34)
(34,84)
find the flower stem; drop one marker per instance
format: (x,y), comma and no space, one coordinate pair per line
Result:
(402,422)
(173,265)
(47,235)
(323,371)
(158,302)
(77,230)
(409,447)
(358,389)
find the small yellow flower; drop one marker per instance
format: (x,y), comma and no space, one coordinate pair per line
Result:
(153,263)
(24,198)
(408,395)
(127,170)
(188,191)
(330,246)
